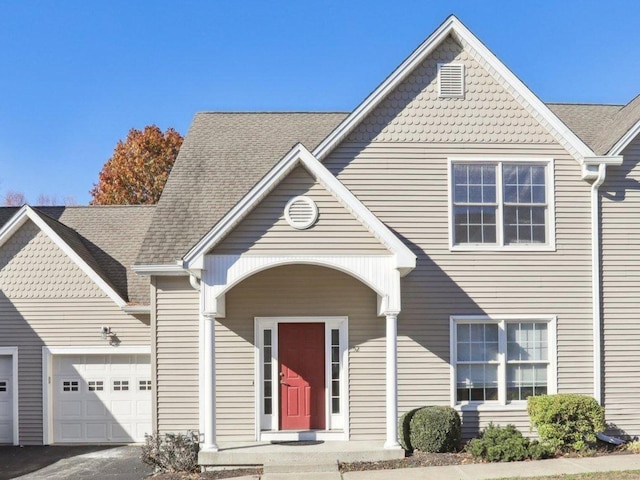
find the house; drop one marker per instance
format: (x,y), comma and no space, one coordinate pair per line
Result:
(453,241)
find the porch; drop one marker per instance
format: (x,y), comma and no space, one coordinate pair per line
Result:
(314,452)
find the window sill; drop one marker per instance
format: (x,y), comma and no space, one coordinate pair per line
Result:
(499,248)
(489,407)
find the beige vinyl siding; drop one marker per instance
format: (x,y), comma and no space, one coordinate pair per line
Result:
(620,211)
(299,290)
(406,186)
(473,422)
(177,354)
(52,303)
(266,231)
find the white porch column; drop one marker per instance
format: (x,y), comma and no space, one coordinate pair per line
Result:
(392,381)
(209,385)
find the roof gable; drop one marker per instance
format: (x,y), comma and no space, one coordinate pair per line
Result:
(265,230)
(231,151)
(415,111)
(67,240)
(299,155)
(453,27)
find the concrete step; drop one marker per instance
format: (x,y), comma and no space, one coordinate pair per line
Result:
(320,453)
(300,468)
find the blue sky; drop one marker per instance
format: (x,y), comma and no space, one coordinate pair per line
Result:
(77,75)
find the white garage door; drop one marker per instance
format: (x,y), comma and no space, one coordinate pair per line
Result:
(101,398)
(6,399)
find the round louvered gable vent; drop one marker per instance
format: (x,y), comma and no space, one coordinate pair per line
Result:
(301,212)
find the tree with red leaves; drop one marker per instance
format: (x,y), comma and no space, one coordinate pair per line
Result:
(138,169)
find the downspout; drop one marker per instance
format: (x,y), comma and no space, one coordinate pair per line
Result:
(194,281)
(595,278)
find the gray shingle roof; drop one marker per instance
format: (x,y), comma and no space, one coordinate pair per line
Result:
(585,120)
(619,124)
(108,238)
(223,156)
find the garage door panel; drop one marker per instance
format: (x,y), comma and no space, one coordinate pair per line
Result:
(96,432)
(105,399)
(6,398)
(71,409)
(96,408)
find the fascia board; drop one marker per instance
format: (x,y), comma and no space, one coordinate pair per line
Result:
(14,223)
(27,212)
(159,269)
(452,24)
(195,256)
(626,139)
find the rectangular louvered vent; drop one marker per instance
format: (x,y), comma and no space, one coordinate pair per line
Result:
(451,80)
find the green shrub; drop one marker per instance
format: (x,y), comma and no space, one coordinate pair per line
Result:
(566,421)
(506,444)
(404,429)
(171,452)
(435,430)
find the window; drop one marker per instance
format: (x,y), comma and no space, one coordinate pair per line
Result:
(502,204)
(70,386)
(95,385)
(120,385)
(3,386)
(501,361)
(144,385)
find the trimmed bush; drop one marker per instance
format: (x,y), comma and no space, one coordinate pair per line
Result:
(171,452)
(505,444)
(566,421)
(435,430)
(404,430)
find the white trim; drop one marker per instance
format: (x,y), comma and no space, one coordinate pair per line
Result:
(223,272)
(166,270)
(500,160)
(626,139)
(47,366)
(336,429)
(137,309)
(299,155)
(27,213)
(576,147)
(15,397)
(501,320)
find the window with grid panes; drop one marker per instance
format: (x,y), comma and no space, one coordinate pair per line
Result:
(500,361)
(500,203)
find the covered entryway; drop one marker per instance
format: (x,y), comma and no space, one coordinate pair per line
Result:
(6,398)
(101,398)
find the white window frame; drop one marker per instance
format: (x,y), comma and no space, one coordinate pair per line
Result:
(501,321)
(498,160)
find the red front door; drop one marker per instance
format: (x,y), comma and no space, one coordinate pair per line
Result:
(301,354)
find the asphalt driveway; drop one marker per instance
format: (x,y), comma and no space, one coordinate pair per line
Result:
(72,462)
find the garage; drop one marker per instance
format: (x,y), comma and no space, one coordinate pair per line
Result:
(6,399)
(101,398)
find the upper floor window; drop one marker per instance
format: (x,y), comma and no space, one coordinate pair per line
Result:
(502,204)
